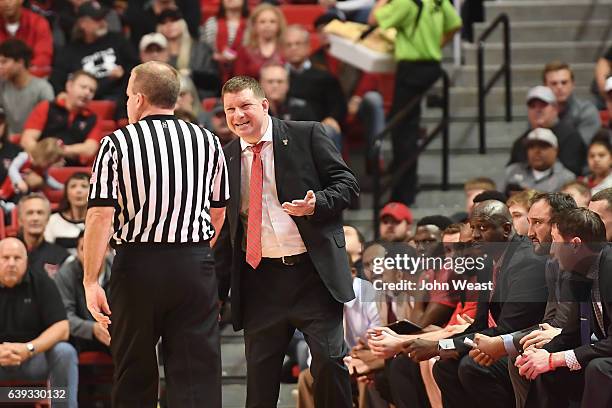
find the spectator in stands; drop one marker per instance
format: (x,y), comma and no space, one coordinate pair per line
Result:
(600,162)
(352,10)
(395,223)
(274,80)
(33,328)
(224,33)
(354,245)
(518,205)
(191,57)
(608,97)
(580,114)
(579,191)
(69,119)
(423,28)
(217,124)
(109,57)
(141,16)
(601,203)
(154,47)
(320,89)
(365,101)
(30,172)
(66,16)
(33,29)
(8,151)
(189,101)
(475,186)
(603,71)
(542,171)
(19,90)
(542,112)
(34,210)
(579,234)
(265,30)
(68,222)
(86,334)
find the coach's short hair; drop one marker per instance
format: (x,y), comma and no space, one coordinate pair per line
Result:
(159,82)
(583,223)
(603,195)
(240,83)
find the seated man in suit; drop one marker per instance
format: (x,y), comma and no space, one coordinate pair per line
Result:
(564,365)
(33,327)
(274,79)
(515,299)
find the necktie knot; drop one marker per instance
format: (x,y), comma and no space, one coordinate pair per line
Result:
(256,149)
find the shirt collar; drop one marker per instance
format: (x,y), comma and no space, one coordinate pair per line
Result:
(305,65)
(267,136)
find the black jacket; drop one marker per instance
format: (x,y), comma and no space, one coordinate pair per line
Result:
(304,159)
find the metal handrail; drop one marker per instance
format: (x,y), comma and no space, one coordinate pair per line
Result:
(483,89)
(442,127)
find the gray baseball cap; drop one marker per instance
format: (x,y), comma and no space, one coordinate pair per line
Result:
(542,93)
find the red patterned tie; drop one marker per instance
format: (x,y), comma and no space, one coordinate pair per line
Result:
(253,244)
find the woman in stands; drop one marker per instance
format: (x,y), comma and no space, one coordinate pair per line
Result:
(224,33)
(190,57)
(600,160)
(67,223)
(265,31)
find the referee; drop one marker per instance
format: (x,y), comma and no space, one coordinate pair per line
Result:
(159,185)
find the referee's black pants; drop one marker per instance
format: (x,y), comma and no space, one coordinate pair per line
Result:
(277,299)
(412,78)
(168,291)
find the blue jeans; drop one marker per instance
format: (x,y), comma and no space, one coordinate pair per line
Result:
(59,364)
(335,136)
(371,113)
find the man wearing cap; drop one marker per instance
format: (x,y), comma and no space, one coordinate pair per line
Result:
(395,222)
(107,56)
(33,29)
(543,112)
(542,171)
(218,125)
(154,47)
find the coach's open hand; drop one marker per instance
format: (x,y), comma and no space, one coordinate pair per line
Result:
(97,304)
(300,208)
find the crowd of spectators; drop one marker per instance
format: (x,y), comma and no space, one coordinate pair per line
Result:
(55,61)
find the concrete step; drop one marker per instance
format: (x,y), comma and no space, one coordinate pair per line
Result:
(539,52)
(522,74)
(550,10)
(526,31)
(463,136)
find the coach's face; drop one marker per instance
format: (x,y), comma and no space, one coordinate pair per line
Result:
(246,114)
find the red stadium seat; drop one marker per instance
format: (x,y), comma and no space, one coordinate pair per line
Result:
(61,174)
(605,117)
(12,228)
(209,103)
(95,377)
(304,14)
(103,109)
(108,126)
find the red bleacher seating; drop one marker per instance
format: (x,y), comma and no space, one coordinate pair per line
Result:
(103,109)
(95,377)
(61,174)
(605,117)
(208,103)
(304,14)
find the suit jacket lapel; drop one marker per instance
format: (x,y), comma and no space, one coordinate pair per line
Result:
(234,168)
(281,143)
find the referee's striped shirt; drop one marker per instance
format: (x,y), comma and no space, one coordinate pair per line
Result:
(162,175)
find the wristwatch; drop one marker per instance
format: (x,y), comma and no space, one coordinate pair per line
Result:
(446,344)
(31,348)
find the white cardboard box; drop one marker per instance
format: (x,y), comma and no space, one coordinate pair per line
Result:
(360,56)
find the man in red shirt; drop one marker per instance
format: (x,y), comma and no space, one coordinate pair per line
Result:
(34,30)
(68,119)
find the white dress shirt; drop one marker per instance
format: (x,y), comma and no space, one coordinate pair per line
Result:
(279,234)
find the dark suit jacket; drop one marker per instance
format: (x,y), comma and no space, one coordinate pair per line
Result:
(570,339)
(519,298)
(304,159)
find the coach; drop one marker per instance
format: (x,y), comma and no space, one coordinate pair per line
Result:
(159,184)
(288,187)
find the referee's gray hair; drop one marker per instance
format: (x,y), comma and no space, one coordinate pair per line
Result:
(159,82)
(240,83)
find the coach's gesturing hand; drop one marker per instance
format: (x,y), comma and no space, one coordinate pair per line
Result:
(300,208)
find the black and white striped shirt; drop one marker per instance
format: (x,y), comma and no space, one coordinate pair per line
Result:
(162,175)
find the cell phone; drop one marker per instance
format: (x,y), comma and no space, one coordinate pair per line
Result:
(405,327)
(469,342)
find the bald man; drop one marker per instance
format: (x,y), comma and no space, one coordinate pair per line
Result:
(34,327)
(517,300)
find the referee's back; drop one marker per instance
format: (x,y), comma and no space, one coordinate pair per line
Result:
(163,175)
